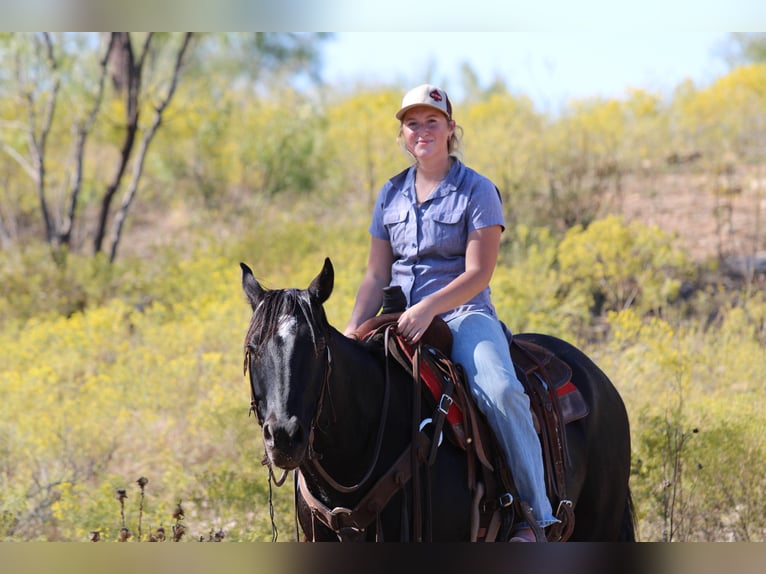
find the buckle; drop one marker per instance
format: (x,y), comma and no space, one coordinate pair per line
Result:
(505,500)
(564,503)
(340,518)
(445,399)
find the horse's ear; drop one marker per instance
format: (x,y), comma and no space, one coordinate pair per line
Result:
(321,286)
(250,285)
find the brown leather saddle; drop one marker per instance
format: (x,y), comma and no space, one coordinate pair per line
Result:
(554,401)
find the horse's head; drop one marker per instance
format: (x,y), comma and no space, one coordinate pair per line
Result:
(287,356)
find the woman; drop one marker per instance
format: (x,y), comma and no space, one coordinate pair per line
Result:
(436,233)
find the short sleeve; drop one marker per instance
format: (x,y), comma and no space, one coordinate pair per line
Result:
(377,228)
(485,206)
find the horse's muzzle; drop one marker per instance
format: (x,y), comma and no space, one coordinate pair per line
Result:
(286,442)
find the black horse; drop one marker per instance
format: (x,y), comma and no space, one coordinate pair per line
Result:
(332,408)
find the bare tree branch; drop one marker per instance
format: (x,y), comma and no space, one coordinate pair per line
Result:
(37,143)
(22,161)
(6,233)
(131,127)
(83,130)
(146,140)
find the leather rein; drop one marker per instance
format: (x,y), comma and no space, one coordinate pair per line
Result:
(314,457)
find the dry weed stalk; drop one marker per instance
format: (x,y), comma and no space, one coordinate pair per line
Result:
(178,529)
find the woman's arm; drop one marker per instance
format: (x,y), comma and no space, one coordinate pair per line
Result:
(481,254)
(377,276)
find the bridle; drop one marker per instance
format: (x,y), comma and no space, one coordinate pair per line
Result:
(313,457)
(352,523)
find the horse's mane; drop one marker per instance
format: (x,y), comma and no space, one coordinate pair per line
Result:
(274,305)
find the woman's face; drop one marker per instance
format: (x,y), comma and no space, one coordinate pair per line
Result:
(427,132)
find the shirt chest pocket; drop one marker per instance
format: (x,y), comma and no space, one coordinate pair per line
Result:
(449,230)
(395,222)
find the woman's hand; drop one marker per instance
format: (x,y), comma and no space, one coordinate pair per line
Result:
(414,322)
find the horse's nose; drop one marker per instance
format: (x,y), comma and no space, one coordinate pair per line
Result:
(285,436)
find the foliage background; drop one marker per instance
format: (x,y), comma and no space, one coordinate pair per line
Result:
(635,230)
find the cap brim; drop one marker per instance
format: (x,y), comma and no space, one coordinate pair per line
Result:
(404,110)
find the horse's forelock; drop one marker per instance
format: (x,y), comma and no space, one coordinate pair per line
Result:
(275,305)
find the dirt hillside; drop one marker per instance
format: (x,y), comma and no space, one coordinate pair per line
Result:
(722,217)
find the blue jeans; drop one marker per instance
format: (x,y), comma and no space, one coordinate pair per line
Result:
(481,347)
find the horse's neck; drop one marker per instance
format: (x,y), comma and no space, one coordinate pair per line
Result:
(357,380)
(353,403)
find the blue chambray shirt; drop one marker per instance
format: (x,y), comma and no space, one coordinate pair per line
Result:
(429,240)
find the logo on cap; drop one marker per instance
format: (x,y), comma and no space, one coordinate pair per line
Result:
(435,95)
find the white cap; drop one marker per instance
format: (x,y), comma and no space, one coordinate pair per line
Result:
(426,95)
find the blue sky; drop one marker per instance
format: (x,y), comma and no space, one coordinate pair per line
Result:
(551,67)
(549,50)
(480,16)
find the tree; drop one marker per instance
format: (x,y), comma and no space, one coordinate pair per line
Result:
(133,72)
(582,157)
(508,150)
(57,85)
(374,155)
(84,99)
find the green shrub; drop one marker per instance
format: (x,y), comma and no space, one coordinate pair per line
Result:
(615,265)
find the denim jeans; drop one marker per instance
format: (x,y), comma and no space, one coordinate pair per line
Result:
(481,347)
